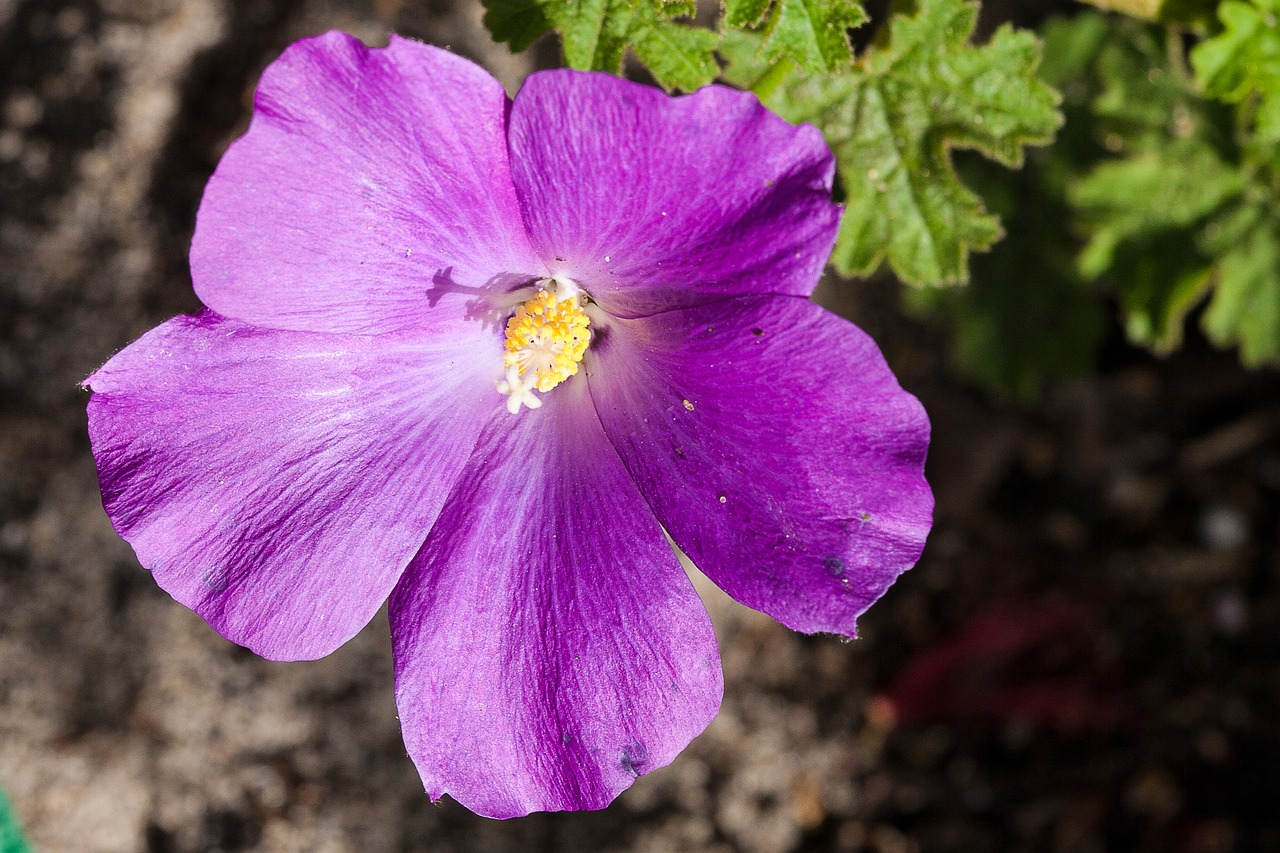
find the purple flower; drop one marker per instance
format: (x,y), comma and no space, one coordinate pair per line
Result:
(474,355)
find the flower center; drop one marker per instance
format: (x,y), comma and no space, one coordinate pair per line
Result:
(546,339)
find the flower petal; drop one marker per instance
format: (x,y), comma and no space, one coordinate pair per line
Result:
(278,483)
(775,447)
(371,184)
(548,647)
(652,202)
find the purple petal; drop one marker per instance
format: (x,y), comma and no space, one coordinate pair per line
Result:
(548,647)
(278,483)
(652,202)
(370,185)
(775,447)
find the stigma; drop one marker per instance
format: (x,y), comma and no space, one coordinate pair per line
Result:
(547,337)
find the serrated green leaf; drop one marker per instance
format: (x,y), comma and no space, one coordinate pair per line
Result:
(1142,102)
(1247,51)
(745,13)
(1144,213)
(597,33)
(1151,192)
(892,121)
(812,33)
(1164,278)
(1245,308)
(1241,65)
(1243,61)
(679,56)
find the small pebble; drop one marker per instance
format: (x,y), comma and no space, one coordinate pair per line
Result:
(1223,528)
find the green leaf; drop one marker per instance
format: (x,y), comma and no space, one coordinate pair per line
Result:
(1070,47)
(743,65)
(812,33)
(596,34)
(1144,213)
(1243,61)
(892,121)
(1241,65)
(1163,278)
(519,23)
(744,13)
(1143,102)
(1231,64)
(1245,308)
(1151,192)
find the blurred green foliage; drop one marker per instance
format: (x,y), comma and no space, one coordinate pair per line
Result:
(1179,207)
(1158,199)
(11,838)
(1242,64)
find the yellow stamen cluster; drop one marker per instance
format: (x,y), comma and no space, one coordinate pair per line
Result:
(546,339)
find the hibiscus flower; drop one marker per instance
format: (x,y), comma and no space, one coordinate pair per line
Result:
(474,355)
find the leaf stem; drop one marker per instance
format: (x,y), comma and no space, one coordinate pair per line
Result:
(773,78)
(1176,55)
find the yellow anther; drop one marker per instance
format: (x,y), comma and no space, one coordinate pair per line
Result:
(546,339)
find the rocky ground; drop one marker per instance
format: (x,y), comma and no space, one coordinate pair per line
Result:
(1087,658)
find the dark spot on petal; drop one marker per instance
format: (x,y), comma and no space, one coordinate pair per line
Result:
(757,332)
(215,578)
(680,451)
(633,757)
(834,565)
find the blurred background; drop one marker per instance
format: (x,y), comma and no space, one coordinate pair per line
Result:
(1086,659)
